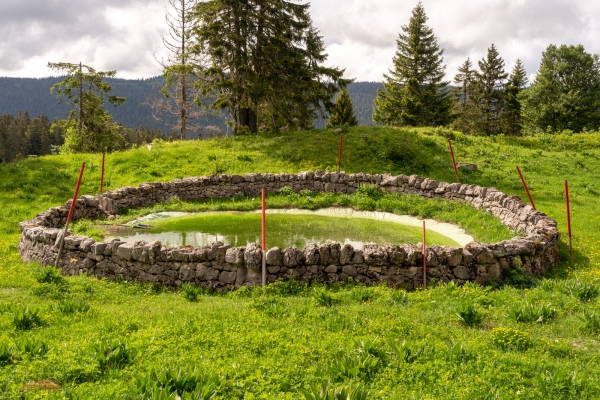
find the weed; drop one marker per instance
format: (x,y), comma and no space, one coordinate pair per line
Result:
(399,297)
(369,190)
(176,382)
(457,353)
(591,321)
(52,291)
(286,191)
(271,305)
(7,355)
(324,297)
(35,348)
(363,294)
(584,291)
(112,354)
(359,365)
(370,346)
(469,315)
(25,319)
(287,288)
(510,339)
(190,292)
(325,391)
(69,307)
(49,275)
(528,312)
(405,351)
(88,288)
(519,279)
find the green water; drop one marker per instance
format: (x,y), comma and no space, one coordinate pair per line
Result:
(283,230)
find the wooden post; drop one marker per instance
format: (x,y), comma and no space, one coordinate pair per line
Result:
(264,242)
(102,174)
(453,160)
(340,153)
(526,188)
(424,257)
(62,239)
(569,221)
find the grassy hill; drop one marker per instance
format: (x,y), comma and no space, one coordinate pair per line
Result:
(98,339)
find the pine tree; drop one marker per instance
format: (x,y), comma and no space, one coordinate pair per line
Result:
(517,81)
(464,85)
(265,63)
(489,93)
(415,91)
(342,112)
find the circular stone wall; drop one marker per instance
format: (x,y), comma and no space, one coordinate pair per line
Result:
(223,267)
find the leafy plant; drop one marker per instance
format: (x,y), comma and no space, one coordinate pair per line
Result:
(370,190)
(324,297)
(510,339)
(289,287)
(469,315)
(583,291)
(68,307)
(405,351)
(528,312)
(271,305)
(363,294)
(459,354)
(49,275)
(286,191)
(31,346)
(112,354)
(175,382)
(399,297)
(360,365)
(519,279)
(325,391)
(7,355)
(591,321)
(190,292)
(25,319)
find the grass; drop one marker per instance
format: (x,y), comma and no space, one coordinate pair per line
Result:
(281,344)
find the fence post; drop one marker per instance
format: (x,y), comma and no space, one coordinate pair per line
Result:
(62,239)
(453,160)
(526,188)
(264,242)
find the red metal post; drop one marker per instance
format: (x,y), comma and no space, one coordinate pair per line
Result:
(102,174)
(569,221)
(71,209)
(264,241)
(526,188)
(453,160)
(340,153)
(424,257)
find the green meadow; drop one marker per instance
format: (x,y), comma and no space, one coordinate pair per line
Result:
(530,338)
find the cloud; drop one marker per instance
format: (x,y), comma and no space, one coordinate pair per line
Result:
(360,34)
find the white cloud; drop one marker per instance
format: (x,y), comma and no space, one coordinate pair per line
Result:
(360,34)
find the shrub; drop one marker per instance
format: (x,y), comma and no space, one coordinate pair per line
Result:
(286,191)
(582,291)
(510,339)
(112,355)
(469,315)
(591,321)
(190,292)
(324,297)
(528,312)
(176,382)
(68,307)
(33,347)
(49,275)
(325,391)
(25,319)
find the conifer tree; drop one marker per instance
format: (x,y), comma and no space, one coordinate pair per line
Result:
(517,81)
(464,81)
(489,93)
(342,112)
(415,91)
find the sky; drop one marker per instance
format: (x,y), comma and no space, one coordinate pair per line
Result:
(360,35)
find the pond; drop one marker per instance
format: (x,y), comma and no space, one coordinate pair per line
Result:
(286,228)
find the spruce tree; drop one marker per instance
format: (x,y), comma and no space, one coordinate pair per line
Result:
(489,93)
(464,81)
(342,112)
(415,91)
(517,81)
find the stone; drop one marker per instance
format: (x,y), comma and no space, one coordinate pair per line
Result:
(332,269)
(346,253)
(228,277)
(311,254)
(396,254)
(292,257)
(275,256)
(374,254)
(186,273)
(253,256)
(125,251)
(349,270)
(324,252)
(462,272)
(235,256)
(357,257)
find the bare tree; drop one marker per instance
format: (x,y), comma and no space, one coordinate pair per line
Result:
(181,103)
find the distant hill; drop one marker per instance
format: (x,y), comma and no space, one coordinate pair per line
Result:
(33,95)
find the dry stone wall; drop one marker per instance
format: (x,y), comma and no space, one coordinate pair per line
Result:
(223,267)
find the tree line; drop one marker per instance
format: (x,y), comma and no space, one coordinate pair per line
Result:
(565,94)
